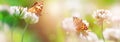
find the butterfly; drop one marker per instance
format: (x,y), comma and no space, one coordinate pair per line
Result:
(80,26)
(36,8)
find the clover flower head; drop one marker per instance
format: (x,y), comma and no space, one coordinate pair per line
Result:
(23,13)
(75,24)
(68,24)
(112,34)
(14,10)
(31,17)
(102,14)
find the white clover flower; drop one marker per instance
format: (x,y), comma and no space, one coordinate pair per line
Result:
(68,24)
(102,14)
(23,13)
(112,34)
(31,17)
(74,25)
(14,10)
(90,37)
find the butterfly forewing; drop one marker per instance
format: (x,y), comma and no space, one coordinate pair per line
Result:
(36,8)
(80,26)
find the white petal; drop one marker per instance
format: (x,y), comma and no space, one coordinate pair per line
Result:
(68,24)
(31,17)
(84,21)
(91,37)
(14,10)
(112,32)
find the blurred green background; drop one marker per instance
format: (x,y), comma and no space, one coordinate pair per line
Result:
(49,28)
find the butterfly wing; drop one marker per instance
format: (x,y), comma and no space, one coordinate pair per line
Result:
(36,8)
(80,26)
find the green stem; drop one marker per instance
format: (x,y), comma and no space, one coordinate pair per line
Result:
(11,35)
(25,28)
(102,31)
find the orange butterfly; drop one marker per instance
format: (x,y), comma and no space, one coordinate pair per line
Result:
(80,26)
(36,8)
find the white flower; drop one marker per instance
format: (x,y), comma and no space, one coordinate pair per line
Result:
(23,13)
(112,34)
(14,10)
(91,37)
(31,17)
(103,14)
(68,24)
